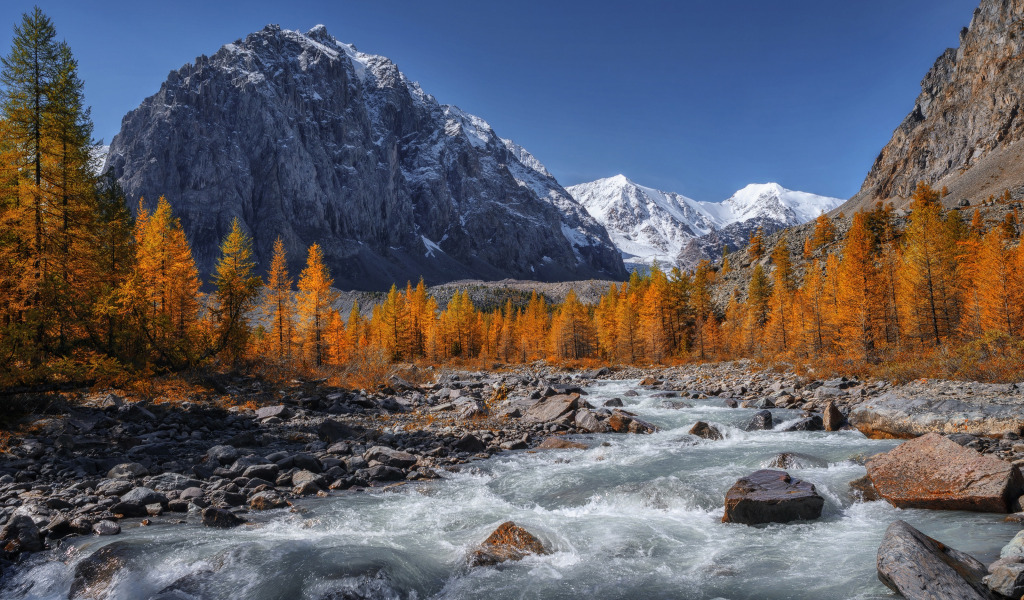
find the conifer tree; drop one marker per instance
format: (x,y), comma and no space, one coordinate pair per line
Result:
(278,305)
(824,232)
(857,293)
(314,301)
(755,247)
(997,286)
(929,270)
(237,293)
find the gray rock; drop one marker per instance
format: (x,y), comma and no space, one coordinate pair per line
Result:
(20,534)
(552,408)
(912,413)
(223,454)
(144,496)
(920,568)
(106,527)
(588,421)
(400,185)
(1006,577)
(812,423)
(280,411)
(128,471)
(761,421)
(267,472)
(768,496)
(220,518)
(706,431)
(390,457)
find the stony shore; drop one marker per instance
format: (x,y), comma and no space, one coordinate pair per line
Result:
(108,460)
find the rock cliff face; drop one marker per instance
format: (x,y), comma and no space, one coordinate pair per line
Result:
(301,136)
(964,129)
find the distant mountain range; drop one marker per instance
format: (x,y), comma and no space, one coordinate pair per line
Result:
(648,225)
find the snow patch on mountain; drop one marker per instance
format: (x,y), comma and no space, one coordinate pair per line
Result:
(648,225)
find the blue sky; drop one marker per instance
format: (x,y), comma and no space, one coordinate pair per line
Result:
(698,98)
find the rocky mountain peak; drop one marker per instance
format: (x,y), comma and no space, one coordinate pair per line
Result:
(300,135)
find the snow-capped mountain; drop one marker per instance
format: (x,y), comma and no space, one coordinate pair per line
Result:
(648,224)
(301,136)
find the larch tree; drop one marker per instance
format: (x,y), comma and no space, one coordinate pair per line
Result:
(237,294)
(824,232)
(780,317)
(997,286)
(857,293)
(314,301)
(278,307)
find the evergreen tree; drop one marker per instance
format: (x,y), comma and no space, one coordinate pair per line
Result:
(314,301)
(278,306)
(238,290)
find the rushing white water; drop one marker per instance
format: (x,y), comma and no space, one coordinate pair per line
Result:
(634,516)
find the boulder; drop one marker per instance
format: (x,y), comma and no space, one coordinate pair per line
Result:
(332,431)
(863,490)
(795,460)
(552,408)
(280,411)
(618,422)
(920,568)
(127,471)
(469,443)
(220,518)
(1015,548)
(811,423)
(935,473)
(832,418)
(508,542)
(144,496)
(614,403)
(558,443)
(106,527)
(268,472)
(901,415)
(223,454)
(769,496)
(761,421)
(388,457)
(20,534)
(588,421)
(267,500)
(1006,577)
(303,477)
(95,573)
(640,426)
(706,431)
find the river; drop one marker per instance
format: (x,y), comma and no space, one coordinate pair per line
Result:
(633,516)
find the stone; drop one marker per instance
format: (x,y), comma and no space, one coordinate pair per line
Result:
(143,496)
(389,457)
(223,454)
(384,473)
(907,414)
(127,471)
(332,431)
(769,496)
(832,418)
(220,518)
(267,472)
(649,381)
(509,542)
(303,477)
(267,500)
(795,460)
(614,403)
(280,411)
(559,443)
(129,510)
(921,568)
(588,421)
(811,423)
(761,421)
(618,422)
(94,574)
(106,527)
(306,488)
(469,443)
(1015,547)
(20,534)
(704,430)
(863,490)
(170,481)
(935,473)
(730,403)
(552,408)
(1006,577)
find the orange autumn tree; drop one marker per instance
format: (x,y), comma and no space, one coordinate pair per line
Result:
(315,300)
(237,292)
(857,294)
(780,316)
(998,286)
(278,307)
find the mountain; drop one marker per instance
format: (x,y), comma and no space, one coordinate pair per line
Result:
(301,136)
(648,224)
(965,128)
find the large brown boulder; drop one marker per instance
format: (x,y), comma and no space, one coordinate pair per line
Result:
(95,573)
(936,473)
(706,431)
(832,417)
(557,443)
(552,408)
(508,542)
(921,568)
(769,496)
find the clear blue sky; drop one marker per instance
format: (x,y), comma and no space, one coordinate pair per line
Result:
(698,98)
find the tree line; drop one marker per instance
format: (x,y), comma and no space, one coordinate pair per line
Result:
(87,288)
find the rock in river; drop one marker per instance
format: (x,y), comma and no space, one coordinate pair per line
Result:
(937,473)
(769,496)
(508,542)
(762,420)
(552,408)
(920,568)
(708,432)
(221,518)
(557,443)
(95,573)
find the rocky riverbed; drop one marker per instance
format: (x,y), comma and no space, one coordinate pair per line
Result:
(110,460)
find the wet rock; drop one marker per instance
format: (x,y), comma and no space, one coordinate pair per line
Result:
(1006,577)
(128,510)
(588,421)
(921,568)
(935,473)
(631,393)
(58,527)
(384,473)
(20,534)
(768,496)
(220,518)
(552,408)
(730,403)
(95,573)
(143,496)
(832,418)
(267,500)
(795,460)
(171,481)
(280,411)
(106,527)
(649,381)
(128,471)
(811,423)
(332,431)
(761,421)
(862,489)
(509,542)
(389,457)
(267,472)
(618,422)
(306,488)
(558,443)
(706,431)
(614,403)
